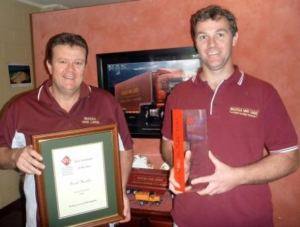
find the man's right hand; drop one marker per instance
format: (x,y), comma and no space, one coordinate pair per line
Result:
(28,160)
(173,184)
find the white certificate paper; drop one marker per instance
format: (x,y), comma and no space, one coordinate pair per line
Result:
(80,183)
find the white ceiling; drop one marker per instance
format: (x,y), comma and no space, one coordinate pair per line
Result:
(67,4)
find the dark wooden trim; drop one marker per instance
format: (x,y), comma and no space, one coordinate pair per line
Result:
(18,205)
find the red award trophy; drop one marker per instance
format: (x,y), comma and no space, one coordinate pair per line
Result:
(178,151)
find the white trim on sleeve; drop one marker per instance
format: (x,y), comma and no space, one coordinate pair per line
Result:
(121,145)
(285,150)
(165,138)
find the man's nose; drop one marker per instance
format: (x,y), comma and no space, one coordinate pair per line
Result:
(71,66)
(211,42)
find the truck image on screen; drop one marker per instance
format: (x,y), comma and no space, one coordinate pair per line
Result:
(142,97)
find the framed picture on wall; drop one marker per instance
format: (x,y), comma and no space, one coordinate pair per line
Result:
(19,75)
(141,81)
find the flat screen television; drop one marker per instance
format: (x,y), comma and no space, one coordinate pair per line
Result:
(141,81)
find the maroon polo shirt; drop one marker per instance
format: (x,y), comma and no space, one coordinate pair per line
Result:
(37,112)
(244,116)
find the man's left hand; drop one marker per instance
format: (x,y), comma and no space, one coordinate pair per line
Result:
(224,178)
(126,211)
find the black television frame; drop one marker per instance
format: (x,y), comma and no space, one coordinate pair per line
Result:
(106,60)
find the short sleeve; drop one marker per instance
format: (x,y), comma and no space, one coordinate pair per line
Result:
(280,134)
(123,129)
(7,129)
(167,121)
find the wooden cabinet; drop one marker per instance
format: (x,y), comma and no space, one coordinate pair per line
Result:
(150,214)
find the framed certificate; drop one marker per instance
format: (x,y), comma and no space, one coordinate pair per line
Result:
(81,184)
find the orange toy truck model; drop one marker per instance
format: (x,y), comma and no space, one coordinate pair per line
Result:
(144,197)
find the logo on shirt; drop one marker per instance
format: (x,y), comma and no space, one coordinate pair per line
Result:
(90,121)
(244,111)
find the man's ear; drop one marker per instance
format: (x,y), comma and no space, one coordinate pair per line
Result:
(235,39)
(49,67)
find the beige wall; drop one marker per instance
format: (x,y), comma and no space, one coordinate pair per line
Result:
(15,47)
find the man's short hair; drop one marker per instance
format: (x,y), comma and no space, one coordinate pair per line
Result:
(65,39)
(213,12)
